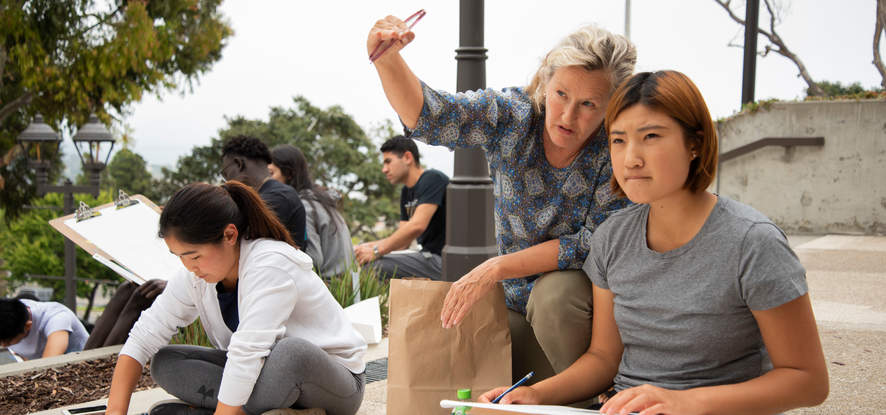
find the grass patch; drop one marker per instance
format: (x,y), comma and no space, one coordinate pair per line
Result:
(371,285)
(193,334)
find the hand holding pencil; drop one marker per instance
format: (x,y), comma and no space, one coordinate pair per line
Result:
(513,394)
(390,35)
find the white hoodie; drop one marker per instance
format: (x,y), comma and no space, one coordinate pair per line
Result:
(278,296)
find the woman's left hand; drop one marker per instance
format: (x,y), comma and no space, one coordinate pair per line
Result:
(467,290)
(651,400)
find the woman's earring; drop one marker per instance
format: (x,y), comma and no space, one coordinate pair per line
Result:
(694,155)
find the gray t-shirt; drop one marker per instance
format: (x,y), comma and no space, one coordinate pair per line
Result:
(684,316)
(48,318)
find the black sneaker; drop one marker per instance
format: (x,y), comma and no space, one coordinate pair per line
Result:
(177,407)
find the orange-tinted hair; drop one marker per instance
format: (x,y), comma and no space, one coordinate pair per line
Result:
(673,94)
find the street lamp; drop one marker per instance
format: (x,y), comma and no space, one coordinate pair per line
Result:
(93,134)
(39,138)
(40,142)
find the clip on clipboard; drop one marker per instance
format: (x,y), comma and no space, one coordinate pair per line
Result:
(123,236)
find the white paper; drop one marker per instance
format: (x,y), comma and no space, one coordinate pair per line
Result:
(365,316)
(522,409)
(129,236)
(125,273)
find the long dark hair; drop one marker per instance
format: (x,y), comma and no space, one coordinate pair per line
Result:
(294,167)
(199,212)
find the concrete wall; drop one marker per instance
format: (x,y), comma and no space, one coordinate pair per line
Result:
(837,188)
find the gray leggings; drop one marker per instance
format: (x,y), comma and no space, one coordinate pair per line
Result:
(297,374)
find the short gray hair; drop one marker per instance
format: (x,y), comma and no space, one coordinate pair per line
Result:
(589,47)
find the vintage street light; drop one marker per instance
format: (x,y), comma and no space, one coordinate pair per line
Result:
(93,134)
(41,140)
(40,143)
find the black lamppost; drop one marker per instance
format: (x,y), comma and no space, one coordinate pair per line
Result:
(40,142)
(470,226)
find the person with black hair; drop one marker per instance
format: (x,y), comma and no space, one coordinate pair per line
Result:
(34,329)
(422,216)
(246,159)
(281,340)
(328,237)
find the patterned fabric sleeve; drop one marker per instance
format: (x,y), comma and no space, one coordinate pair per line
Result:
(574,248)
(471,119)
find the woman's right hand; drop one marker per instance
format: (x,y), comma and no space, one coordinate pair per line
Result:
(525,395)
(389,29)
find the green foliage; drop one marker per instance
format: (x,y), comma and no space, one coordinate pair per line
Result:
(836,90)
(193,334)
(832,89)
(340,154)
(29,245)
(67,59)
(371,285)
(128,171)
(755,106)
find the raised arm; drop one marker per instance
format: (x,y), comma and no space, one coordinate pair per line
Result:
(401,86)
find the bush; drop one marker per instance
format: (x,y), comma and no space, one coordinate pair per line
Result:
(371,285)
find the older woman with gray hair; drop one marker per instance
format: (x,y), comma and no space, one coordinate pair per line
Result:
(548,155)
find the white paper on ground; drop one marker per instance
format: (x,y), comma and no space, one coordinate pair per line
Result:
(365,316)
(522,409)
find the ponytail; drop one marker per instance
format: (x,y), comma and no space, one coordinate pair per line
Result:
(199,212)
(261,222)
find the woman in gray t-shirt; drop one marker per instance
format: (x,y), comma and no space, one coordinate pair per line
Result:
(700,305)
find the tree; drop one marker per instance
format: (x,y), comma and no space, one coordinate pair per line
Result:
(340,154)
(128,171)
(776,43)
(67,59)
(30,246)
(879,30)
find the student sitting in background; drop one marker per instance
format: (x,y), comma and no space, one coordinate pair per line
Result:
(34,329)
(246,159)
(328,237)
(700,305)
(128,302)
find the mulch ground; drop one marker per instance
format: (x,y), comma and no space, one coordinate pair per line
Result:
(61,386)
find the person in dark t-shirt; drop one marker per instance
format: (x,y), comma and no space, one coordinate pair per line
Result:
(422,217)
(246,159)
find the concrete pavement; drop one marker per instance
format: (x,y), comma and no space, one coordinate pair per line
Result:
(847,284)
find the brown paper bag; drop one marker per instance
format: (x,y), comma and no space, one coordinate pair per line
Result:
(427,363)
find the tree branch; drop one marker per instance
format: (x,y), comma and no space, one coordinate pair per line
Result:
(781,48)
(15,104)
(879,28)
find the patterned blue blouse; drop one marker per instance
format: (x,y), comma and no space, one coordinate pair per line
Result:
(534,201)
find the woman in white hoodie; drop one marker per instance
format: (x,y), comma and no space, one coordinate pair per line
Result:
(281,340)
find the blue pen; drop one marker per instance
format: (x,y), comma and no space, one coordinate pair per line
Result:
(519,382)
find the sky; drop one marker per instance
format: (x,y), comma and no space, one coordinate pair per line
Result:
(317,49)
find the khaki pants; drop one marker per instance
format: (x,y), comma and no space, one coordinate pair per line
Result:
(556,330)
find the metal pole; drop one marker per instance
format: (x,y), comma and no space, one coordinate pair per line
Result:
(470,233)
(749,73)
(628,19)
(70,254)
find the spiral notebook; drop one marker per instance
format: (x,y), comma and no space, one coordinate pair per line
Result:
(122,236)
